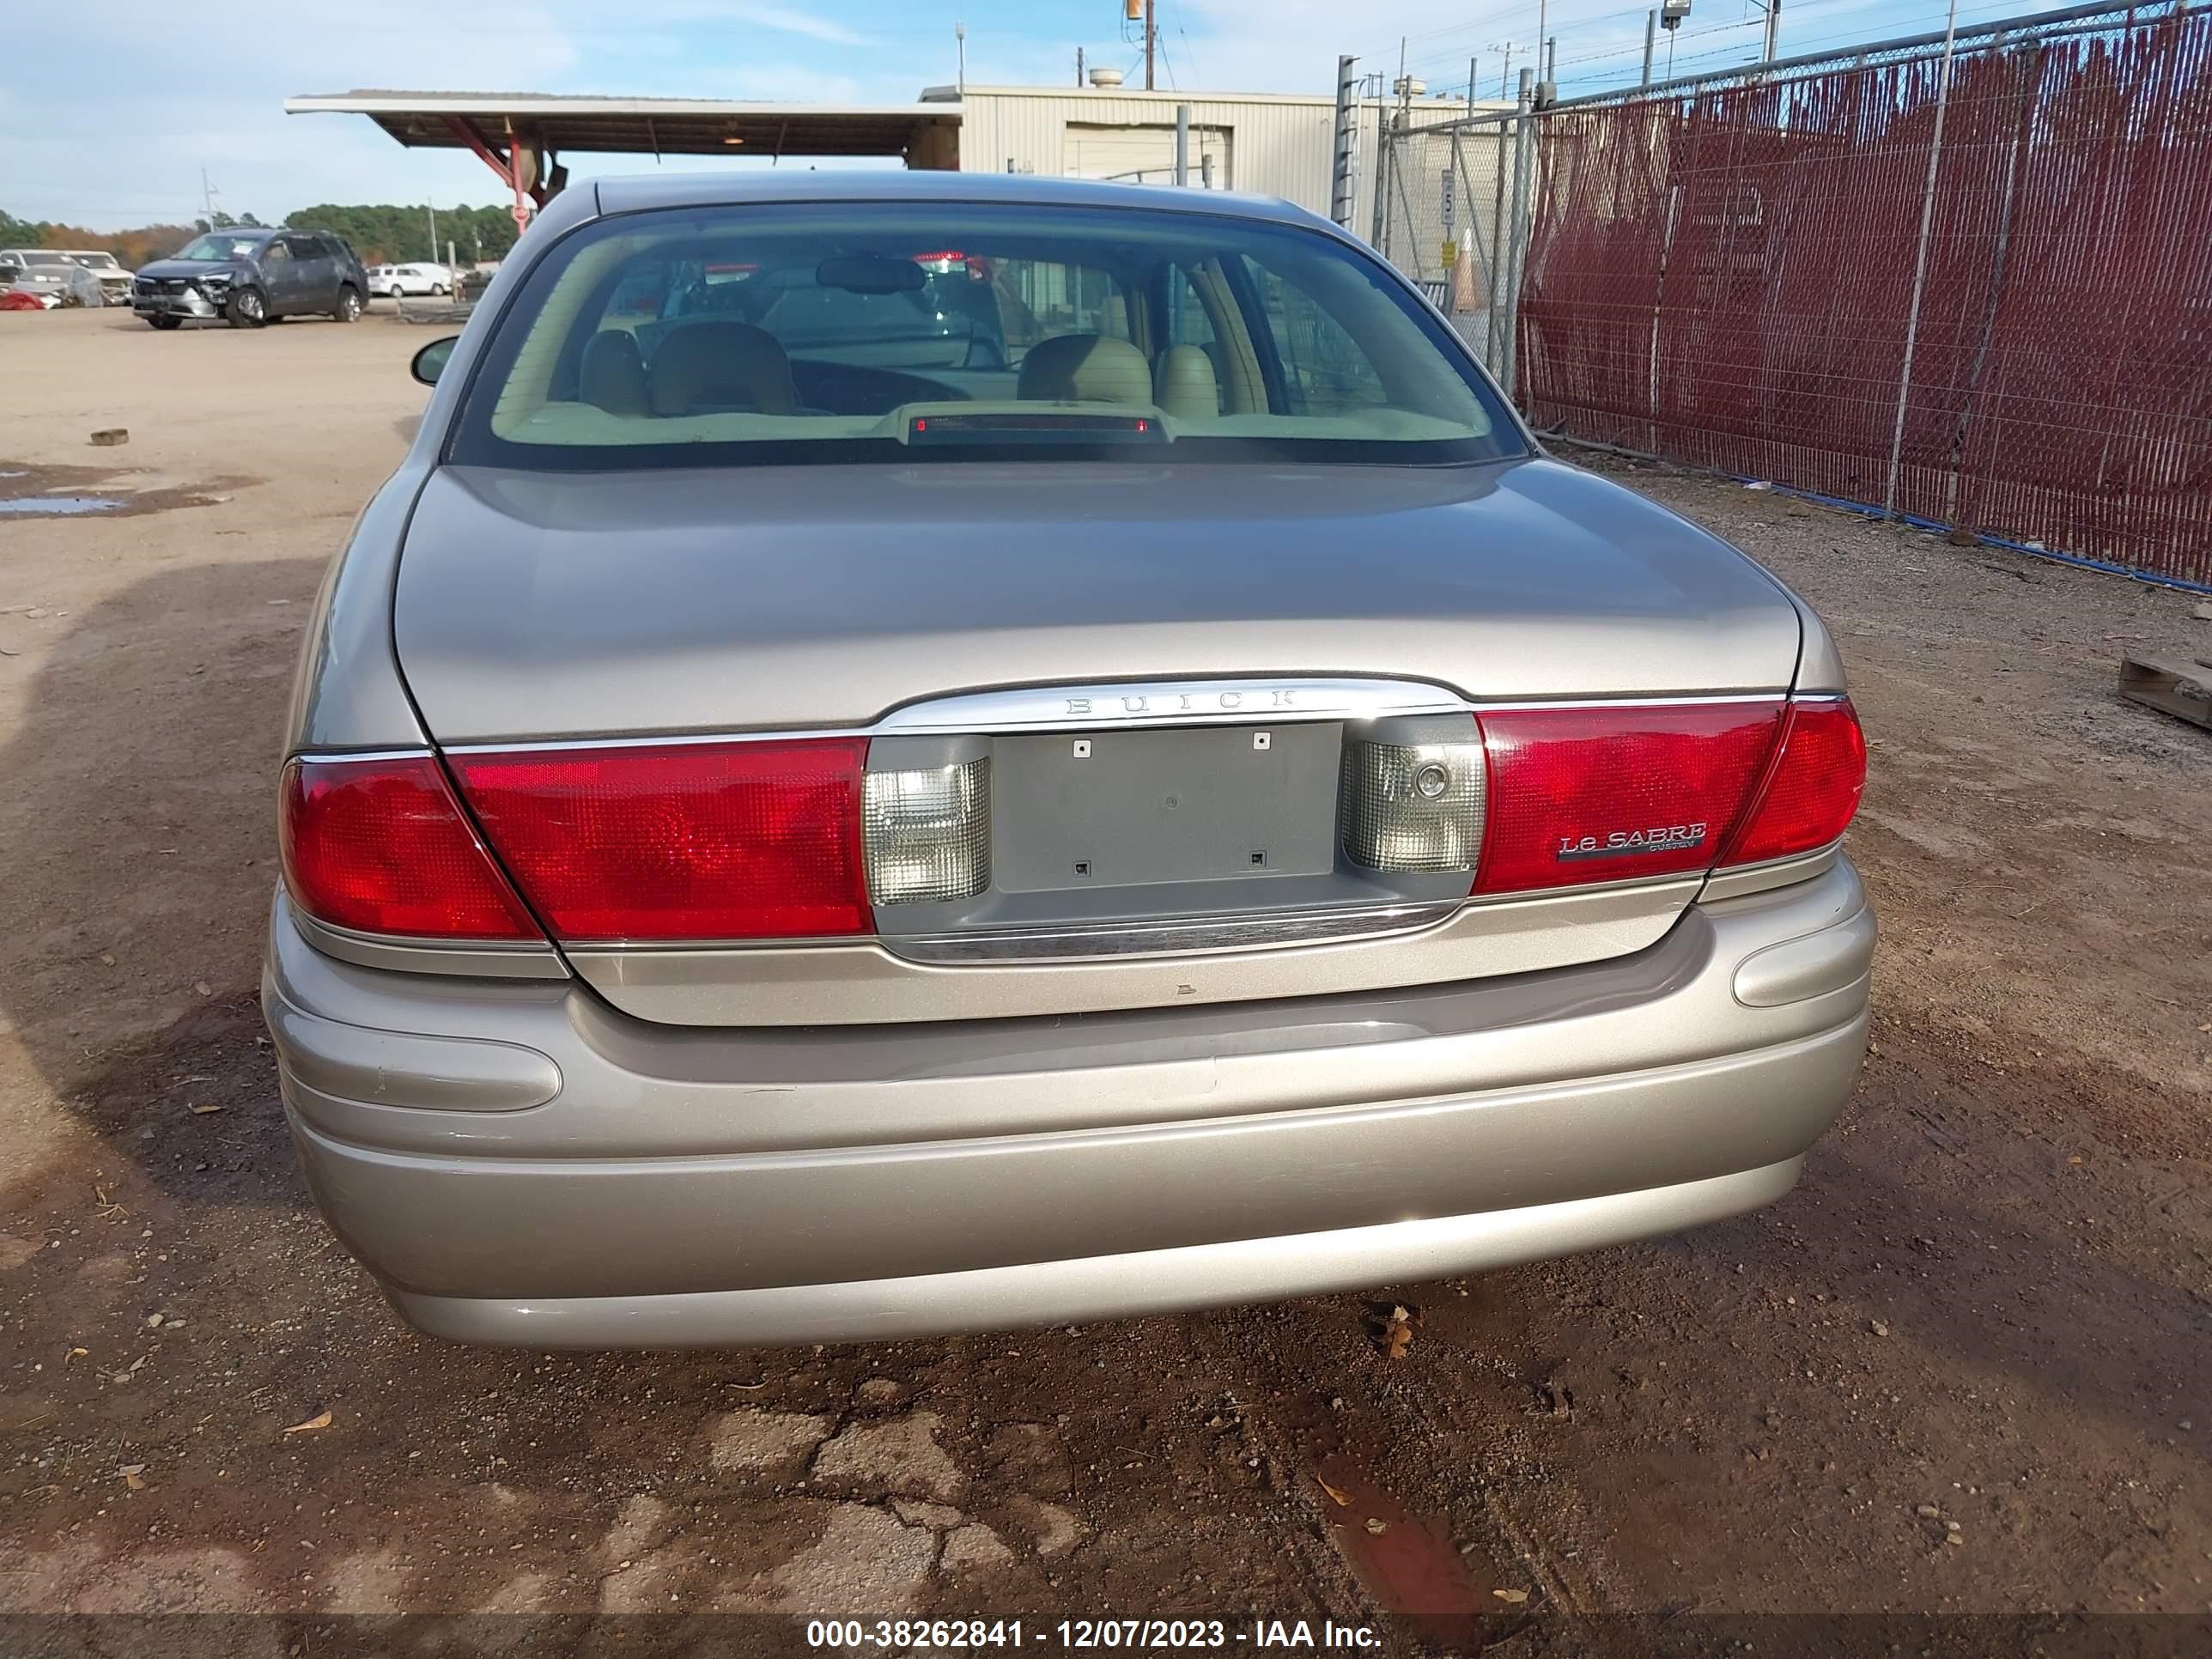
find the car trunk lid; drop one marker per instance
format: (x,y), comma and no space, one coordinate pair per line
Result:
(535,606)
(1166,672)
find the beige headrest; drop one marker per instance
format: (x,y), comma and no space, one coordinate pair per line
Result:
(1086,368)
(716,364)
(612,375)
(1183,386)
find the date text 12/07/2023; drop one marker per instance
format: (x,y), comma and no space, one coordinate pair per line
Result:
(1141,1635)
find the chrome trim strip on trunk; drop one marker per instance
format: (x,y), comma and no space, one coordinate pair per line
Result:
(1046,708)
(361,755)
(1171,702)
(1181,936)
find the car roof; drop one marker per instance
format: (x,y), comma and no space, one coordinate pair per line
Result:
(638,192)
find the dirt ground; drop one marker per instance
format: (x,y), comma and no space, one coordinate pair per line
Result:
(1963,1370)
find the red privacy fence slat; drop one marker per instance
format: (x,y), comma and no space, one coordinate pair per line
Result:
(1726,278)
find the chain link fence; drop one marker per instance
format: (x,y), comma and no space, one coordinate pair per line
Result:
(1969,280)
(1443,205)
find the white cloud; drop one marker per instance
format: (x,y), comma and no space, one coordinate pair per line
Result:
(799,22)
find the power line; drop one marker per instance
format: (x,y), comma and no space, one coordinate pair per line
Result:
(1630,48)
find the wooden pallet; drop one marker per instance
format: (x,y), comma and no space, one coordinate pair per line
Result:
(2184,690)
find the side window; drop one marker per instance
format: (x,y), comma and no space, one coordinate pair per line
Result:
(277,252)
(1324,370)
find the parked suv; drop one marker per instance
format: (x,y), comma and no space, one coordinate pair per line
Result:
(251,276)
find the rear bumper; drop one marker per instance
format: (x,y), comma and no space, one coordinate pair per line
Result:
(520,1165)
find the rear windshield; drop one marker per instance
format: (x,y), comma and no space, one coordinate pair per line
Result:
(836,332)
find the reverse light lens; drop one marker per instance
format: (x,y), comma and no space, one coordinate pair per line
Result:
(681,841)
(928,832)
(1413,806)
(381,847)
(1585,795)
(1813,792)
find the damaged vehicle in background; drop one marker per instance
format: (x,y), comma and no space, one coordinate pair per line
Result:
(825,838)
(106,270)
(48,275)
(252,277)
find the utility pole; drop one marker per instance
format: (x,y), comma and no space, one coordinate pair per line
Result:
(1150,36)
(1651,35)
(1343,167)
(1543,23)
(432,212)
(1548,88)
(1773,27)
(1078,66)
(960,49)
(208,193)
(1471,64)
(1505,73)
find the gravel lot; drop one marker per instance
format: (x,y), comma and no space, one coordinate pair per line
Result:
(1963,1369)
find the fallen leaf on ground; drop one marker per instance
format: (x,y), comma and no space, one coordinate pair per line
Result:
(203,1108)
(319,1420)
(1516,1597)
(1398,1332)
(131,1471)
(1341,1500)
(1375,1525)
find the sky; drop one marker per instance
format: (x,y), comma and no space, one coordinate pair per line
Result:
(107,123)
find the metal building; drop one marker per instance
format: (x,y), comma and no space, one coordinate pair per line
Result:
(1269,143)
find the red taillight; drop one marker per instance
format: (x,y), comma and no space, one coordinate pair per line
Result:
(689,841)
(1583,795)
(1813,790)
(380,846)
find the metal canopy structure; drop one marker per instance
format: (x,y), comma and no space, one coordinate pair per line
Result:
(521,135)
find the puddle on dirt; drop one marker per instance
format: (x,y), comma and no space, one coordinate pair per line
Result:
(1407,1563)
(29,491)
(25,507)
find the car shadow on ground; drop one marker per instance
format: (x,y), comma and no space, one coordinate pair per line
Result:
(139,840)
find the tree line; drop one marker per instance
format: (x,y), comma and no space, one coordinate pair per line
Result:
(379,233)
(384,234)
(133,247)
